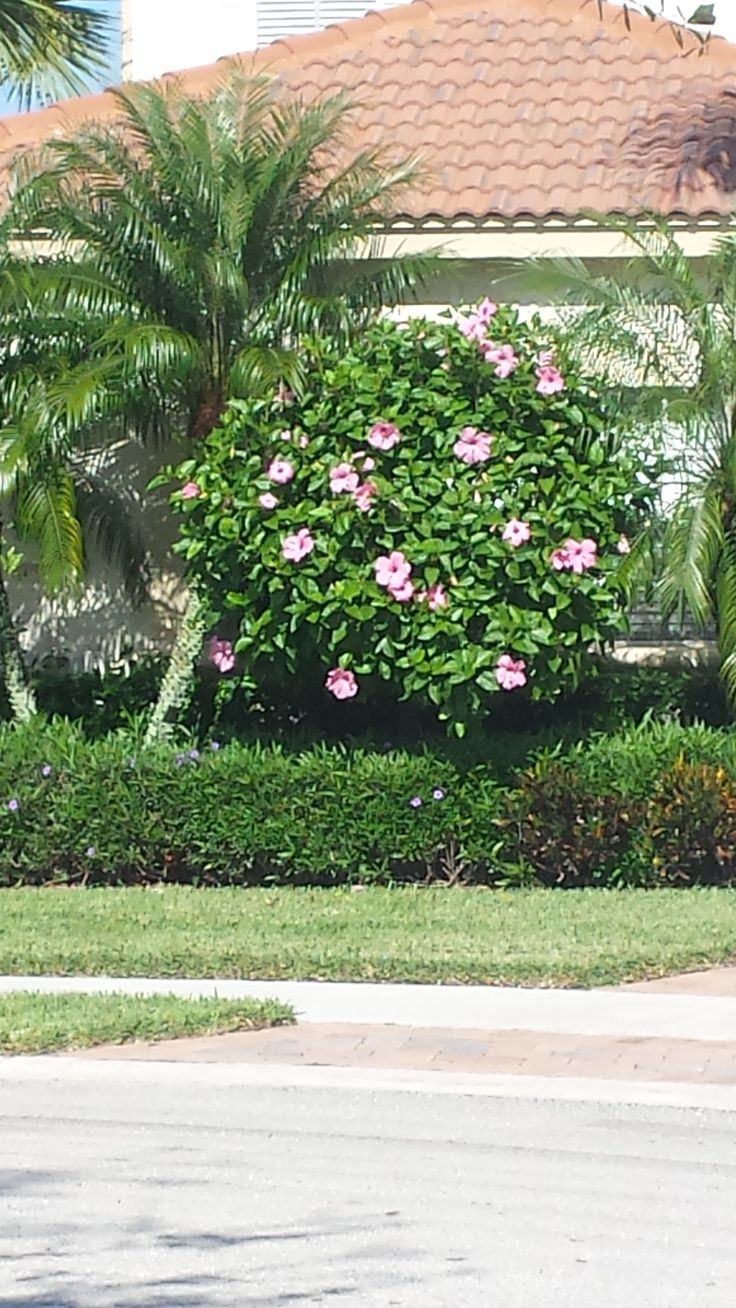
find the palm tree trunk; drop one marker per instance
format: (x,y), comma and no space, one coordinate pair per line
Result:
(20,697)
(176,687)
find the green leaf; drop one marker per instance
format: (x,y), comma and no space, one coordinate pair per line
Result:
(486,681)
(704,16)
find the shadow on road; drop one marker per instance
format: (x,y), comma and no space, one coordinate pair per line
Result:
(150,1298)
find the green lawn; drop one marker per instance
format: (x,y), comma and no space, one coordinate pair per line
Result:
(539,937)
(34,1023)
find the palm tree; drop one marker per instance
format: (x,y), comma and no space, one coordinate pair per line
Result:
(662,336)
(196,242)
(50,492)
(49,48)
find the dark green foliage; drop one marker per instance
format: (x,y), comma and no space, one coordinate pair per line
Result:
(611,696)
(101,701)
(655,804)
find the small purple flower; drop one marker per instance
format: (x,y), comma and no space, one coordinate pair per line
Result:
(416,802)
(181,760)
(214,746)
(46,770)
(90,851)
(439,793)
(194,755)
(13,805)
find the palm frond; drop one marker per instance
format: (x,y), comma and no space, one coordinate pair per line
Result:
(726,611)
(637,569)
(46,514)
(49,47)
(694,542)
(258,369)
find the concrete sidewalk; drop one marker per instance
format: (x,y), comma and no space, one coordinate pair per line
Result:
(678,1032)
(637,1014)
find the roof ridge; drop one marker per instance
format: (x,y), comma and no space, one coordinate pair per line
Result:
(351,31)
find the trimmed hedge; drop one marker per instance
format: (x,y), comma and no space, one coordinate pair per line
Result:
(652,805)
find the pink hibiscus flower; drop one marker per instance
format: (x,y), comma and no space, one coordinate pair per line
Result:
(191,491)
(503,356)
(402,591)
(281,471)
(486,310)
(473,446)
(384,435)
(392,570)
(285,435)
(473,328)
(267,500)
(550,380)
(341,683)
(365,495)
(368,464)
(516,532)
(510,673)
(297,547)
(583,554)
(437,598)
(576,556)
(343,478)
(222,654)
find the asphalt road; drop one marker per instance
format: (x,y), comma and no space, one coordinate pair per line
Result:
(159,1193)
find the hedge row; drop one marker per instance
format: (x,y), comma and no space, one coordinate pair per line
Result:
(652,805)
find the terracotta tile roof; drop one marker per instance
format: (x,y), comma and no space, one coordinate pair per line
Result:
(518,107)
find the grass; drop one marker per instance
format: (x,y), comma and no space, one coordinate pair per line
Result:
(536,937)
(35,1023)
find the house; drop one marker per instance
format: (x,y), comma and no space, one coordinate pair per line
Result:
(528,116)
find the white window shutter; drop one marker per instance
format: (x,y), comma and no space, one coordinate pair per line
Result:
(337,11)
(277,18)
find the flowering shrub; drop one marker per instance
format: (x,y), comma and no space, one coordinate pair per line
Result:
(443,514)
